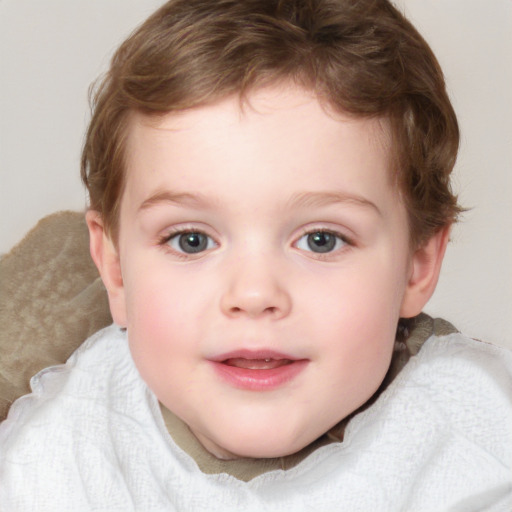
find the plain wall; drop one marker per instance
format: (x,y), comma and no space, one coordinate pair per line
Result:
(51,51)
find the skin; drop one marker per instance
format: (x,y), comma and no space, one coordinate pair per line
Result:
(256,182)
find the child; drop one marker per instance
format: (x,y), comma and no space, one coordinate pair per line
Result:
(269,200)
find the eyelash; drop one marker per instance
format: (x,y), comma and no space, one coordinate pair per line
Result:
(341,237)
(164,242)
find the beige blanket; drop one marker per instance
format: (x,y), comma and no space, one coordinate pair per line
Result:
(51,299)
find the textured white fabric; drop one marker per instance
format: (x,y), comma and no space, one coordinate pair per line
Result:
(91,437)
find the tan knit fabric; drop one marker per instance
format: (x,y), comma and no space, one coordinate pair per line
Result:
(51,300)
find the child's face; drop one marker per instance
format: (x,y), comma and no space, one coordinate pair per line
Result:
(265,262)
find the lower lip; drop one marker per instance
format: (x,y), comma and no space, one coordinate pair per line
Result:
(259,380)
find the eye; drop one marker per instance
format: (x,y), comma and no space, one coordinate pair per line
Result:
(321,242)
(190,242)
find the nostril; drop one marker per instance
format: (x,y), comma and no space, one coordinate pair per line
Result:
(270,303)
(236,310)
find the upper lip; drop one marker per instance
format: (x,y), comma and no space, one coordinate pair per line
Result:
(253,354)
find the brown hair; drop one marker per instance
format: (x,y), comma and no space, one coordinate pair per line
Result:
(360,56)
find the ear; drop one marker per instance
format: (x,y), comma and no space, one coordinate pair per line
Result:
(106,257)
(424,273)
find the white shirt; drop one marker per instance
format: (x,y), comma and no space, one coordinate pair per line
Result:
(91,437)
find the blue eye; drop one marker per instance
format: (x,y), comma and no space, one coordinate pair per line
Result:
(320,242)
(191,242)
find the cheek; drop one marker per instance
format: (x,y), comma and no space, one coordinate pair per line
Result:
(354,320)
(163,309)
(152,311)
(358,300)
(356,348)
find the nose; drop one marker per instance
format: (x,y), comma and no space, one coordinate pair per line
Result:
(255,289)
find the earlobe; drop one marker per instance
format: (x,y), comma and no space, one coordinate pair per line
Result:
(106,257)
(424,274)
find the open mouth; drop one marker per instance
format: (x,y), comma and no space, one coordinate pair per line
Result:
(258,371)
(257,364)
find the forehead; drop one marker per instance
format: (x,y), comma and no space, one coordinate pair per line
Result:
(268,105)
(287,130)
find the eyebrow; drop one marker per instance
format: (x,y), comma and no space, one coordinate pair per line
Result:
(300,200)
(177,198)
(317,199)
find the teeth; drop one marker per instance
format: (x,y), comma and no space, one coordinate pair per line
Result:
(257,364)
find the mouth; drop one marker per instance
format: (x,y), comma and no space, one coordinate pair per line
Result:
(258,371)
(257,364)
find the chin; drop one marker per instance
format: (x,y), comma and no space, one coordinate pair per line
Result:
(258,447)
